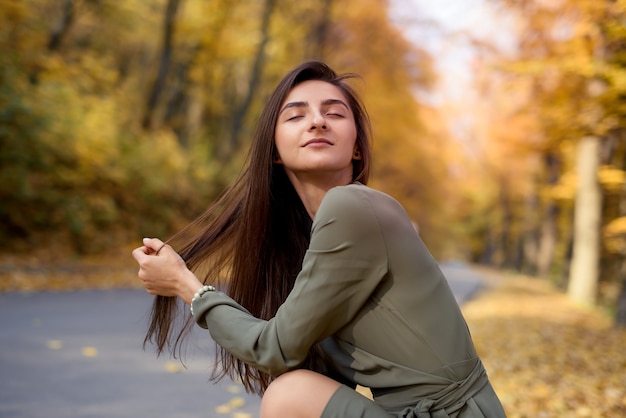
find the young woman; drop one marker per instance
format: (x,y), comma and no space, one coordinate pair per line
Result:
(328,283)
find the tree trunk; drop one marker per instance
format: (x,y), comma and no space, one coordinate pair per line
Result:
(57,35)
(178,114)
(620,161)
(506,227)
(63,27)
(584,273)
(164,63)
(620,311)
(530,245)
(319,34)
(547,231)
(255,76)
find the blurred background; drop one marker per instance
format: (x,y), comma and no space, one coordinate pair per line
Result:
(498,124)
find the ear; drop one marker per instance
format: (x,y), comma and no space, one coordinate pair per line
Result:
(276,159)
(356,155)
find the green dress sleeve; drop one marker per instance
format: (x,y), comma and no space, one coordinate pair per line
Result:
(345,262)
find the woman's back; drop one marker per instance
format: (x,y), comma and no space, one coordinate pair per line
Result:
(409,341)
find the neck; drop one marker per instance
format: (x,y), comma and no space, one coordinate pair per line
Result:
(313,190)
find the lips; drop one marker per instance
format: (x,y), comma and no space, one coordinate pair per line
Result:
(317,141)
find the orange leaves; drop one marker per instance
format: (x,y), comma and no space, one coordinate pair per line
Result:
(546,356)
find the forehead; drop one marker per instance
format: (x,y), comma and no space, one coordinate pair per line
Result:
(314,91)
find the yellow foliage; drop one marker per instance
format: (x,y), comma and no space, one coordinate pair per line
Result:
(616,227)
(617,77)
(544,355)
(615,236)
(565,189)
(15,10)
(611,178)
(96,140)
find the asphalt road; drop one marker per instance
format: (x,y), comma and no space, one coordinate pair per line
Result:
(79,354)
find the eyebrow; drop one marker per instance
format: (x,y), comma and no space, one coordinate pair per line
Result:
(326,102)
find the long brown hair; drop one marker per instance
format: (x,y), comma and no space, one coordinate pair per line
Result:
(253,239)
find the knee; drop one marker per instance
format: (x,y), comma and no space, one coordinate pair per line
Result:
(282,393)
(297,393)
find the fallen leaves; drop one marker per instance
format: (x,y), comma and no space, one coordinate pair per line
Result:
(59,345)
(89,352)
(54,344)
(231,406)
(545,356)
(34,273)
(173,367)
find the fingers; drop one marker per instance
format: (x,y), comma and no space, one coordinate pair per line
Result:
(151,246)
(154,244)
(140,253)
(160,248)
(161,275)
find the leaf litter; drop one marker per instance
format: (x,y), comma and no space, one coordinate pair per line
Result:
(545,355)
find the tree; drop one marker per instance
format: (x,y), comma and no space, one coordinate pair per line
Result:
(241,109)
(137,113)
(583,282)
(169,25)
(573,53)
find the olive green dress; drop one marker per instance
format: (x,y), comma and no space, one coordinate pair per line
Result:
(375,298)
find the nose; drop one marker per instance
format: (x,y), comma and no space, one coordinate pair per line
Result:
(319,121)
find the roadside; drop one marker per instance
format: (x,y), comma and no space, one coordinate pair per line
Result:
(49,271)
(546,356)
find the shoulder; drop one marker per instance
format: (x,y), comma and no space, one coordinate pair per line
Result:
(355,203)
(355,197)
(350,213)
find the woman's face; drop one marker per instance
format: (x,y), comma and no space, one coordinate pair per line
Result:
(316,133)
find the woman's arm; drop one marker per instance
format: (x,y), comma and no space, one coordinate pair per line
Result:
(344,264)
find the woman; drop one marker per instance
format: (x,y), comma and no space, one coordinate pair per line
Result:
(329,285)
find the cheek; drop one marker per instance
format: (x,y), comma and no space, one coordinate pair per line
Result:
(287,134)
(282,141)
(352,134)
(278,141)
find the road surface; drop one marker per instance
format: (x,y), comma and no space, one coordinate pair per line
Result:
(79,354)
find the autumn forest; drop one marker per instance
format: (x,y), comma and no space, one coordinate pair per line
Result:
(124,119)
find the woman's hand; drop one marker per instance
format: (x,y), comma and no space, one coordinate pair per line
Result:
(163,272)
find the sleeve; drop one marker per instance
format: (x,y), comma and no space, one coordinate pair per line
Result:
(345,262)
